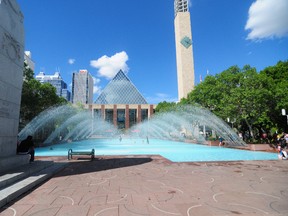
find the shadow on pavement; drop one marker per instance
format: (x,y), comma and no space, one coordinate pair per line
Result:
(81,166)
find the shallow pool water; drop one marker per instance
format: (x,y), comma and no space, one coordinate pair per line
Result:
(172,150)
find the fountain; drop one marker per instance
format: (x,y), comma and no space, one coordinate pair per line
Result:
(64,124)
(67,123)
(185,123)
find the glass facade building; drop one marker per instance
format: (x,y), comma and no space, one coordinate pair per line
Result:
(120,90)
(121,104)
(57,81)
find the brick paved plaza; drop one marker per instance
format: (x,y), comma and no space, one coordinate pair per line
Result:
(152,185)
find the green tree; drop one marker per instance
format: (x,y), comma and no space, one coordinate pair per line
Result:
(28,73)
(165,106)
(278,76)
(29,100)
(248,101)
(36,97)
(238,94)
(252,100)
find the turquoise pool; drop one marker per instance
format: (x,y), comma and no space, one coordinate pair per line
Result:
(174,151)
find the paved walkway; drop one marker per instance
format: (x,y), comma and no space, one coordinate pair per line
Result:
(144,185)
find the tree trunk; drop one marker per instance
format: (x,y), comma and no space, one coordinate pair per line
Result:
(250,129)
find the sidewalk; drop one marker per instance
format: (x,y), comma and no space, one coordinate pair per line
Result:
(152,185)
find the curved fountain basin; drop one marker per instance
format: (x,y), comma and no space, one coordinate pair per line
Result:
(172,150)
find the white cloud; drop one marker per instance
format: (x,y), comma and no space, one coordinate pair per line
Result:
(71,61)
(109,66)
(96,87)
(96,80)
(160,97)
(267,19)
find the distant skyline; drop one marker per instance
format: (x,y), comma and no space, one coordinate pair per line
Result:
(106,36)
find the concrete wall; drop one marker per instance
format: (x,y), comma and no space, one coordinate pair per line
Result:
(11,76)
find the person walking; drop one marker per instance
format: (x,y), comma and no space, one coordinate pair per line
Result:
(220,141)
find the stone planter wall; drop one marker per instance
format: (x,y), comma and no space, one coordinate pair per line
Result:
(260,147)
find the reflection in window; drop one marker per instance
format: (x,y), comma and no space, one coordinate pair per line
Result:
(109,115)
(132,117)
(121,118)
(144,114)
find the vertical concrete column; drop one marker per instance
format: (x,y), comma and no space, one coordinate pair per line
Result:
(103,111)
(11,80)
(92,112)
(115,115)
(127,120)
(139,114)
(151,111)
(11,74)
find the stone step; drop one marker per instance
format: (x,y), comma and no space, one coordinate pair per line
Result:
(13,175)
(25,178)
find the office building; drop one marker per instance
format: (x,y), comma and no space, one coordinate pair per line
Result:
(57,81)
(28,60)
(82,87)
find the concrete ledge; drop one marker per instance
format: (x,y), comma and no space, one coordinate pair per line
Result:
(7,163)
(260,147)
(252,147)
(213,143)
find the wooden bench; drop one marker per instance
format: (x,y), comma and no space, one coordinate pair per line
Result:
(71,153)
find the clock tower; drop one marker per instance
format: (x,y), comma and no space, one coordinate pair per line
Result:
(184,48)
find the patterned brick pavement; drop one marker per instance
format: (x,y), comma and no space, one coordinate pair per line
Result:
(151,185)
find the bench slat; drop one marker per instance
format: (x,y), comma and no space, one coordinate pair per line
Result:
(89,153)
(71,153)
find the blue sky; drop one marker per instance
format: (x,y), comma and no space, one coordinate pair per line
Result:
(137,36)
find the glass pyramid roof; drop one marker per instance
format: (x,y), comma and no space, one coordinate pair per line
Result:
(120,90)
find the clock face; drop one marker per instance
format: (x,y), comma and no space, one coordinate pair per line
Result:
(186,42)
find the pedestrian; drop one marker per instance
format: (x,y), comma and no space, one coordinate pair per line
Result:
(240,135)
(220,141)
(282,154)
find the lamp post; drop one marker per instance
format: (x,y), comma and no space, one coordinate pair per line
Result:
(284,114)
(232,122)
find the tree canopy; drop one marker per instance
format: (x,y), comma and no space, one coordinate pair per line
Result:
(36,97)
(250,100)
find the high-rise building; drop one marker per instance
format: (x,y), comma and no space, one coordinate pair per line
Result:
(57,81)
(184,48)
(82,87)
(28,60)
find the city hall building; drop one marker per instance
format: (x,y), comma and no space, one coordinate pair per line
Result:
(121,104)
